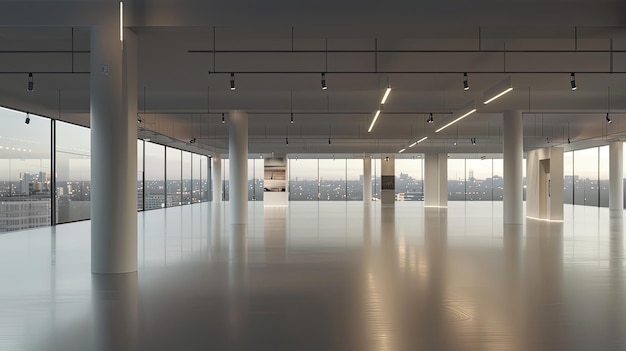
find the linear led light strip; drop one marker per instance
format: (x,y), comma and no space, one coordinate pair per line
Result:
(382,102)
(121,21)
(369,130)
(419,141)
(497,96)
(456,120)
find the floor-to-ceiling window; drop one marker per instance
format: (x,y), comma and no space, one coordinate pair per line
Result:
(354,179)
(332,178)
(140,153)
(25,171)
(303,179)
(603,175)
(173,177)
(154,188)
(206,178)
(586,177)
(73,169)
(186,182)
(255,179)
(196,178)
(456,179)
(409,179)
(477,179)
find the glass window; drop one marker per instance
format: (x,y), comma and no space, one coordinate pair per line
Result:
(206,178)
(196,177)
(225,178)
(478,182)
(303,180)
(255,179)
(603,175)
(24,171)
(332,179)
(186,186)
(140,175)
(586,177)
(409,179)
(376,191)
(456,179)
(73,169)
(568,177)
(173,176)
(154,189)
(354,179)
(497,181)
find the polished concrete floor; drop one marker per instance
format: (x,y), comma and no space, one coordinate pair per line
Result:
(324,276)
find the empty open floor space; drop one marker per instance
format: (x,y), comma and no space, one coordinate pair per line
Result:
(324,276)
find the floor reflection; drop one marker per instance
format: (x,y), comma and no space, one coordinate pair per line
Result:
(324,276)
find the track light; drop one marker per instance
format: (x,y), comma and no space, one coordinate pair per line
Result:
(139,120)
(27,120)
(465,82)
(386,158)
(568,141)
(473,140)
(454,144)
(328,140)
(369,130)
(324,86)
(31,84)
(291,120)
(572,81)
(608,119)
(287,141)
(223,119)
(430,119)
(232,81)
(192,141)
(260,155)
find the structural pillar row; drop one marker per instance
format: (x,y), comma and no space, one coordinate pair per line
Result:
(238,160)
(113,82)
(367,180)
(616,179)
(513,154)
(216,178)
(435,180)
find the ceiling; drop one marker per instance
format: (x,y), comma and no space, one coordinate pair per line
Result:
(279,51)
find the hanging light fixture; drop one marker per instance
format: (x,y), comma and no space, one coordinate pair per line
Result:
(31,84)
(27,120)
(401,150)
(324,86)
(386,95)
(223,119)
(430,119)
(608,119)
(291,120)
(572,81)
(465,82)
(232,82)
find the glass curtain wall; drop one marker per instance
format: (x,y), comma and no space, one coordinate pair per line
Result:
(255,179)
(332,180)
(154,187)
(205,174)
(586,176)
(73,169)
(303,180)
(196,178)
(186,184)
(140,166)
(476,179)
(409,179)
(25,171)
(354,179)
(173,177)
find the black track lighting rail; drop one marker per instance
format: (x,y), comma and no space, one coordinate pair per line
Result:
(330,113)
(379,72)
(506,51)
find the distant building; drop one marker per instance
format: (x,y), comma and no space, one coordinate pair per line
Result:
(18,213)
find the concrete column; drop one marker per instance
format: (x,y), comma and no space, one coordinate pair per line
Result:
(388,176)
(616,179)
(113,82)
(435,180)
(367,180)
(513,155)
(238,156)
(216,179)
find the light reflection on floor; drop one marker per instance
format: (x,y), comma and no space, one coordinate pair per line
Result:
(324,276)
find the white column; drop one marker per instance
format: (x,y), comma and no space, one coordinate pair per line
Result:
(113,82)
(216,179)
(435,179)
(367,180)
(238,157)
(513,155)
(616,179)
